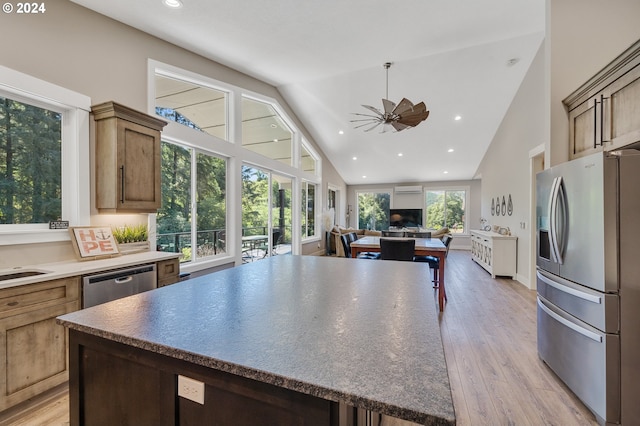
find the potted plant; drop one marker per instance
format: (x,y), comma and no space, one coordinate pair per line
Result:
(132,238)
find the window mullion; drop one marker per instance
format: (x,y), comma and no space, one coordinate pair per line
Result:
(194,205)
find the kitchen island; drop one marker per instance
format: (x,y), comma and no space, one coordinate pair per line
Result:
(287,340)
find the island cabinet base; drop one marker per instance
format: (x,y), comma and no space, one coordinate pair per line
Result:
(115,384)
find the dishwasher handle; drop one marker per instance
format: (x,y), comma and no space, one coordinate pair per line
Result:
(118,274)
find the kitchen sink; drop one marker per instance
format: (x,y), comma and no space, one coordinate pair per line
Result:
(20,274)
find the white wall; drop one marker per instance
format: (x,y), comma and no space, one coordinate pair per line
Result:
(582,37)
(505,166)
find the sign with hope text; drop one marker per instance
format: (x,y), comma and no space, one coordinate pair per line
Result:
(91,242)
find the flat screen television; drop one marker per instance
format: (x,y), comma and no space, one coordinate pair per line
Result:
(409,218)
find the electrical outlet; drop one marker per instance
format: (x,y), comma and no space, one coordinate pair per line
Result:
(191,389)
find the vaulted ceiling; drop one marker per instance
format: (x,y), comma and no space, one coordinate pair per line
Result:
(463,58)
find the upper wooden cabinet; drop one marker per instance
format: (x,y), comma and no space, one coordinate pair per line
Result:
(604,113)
(127,159)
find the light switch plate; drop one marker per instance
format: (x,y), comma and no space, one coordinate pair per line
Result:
(191,389)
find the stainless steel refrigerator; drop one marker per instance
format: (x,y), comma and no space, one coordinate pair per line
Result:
(588,280)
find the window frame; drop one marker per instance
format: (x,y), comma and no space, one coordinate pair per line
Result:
(467,196)
(237,155)
(303,202)
(75,186)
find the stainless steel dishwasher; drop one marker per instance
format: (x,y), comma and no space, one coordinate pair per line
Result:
(112,285)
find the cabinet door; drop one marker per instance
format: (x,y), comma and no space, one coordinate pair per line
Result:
(168,272)
(584,137)
(34,353)
(622,110)
(139,167)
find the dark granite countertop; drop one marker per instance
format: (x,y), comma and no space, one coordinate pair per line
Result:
(357,331)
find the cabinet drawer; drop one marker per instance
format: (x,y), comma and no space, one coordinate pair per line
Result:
(17,300)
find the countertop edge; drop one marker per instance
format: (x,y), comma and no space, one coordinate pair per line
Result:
(72,268)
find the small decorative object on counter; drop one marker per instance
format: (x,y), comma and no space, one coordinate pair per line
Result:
(132,238)
(93,242)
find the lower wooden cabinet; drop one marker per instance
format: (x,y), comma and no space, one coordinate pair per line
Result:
(33,347)
(168,271)
(115,384)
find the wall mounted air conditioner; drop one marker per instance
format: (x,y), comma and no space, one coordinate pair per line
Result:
(415,189)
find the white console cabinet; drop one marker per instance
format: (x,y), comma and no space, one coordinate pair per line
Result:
(494,252)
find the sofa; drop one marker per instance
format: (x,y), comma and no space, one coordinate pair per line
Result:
(335,245)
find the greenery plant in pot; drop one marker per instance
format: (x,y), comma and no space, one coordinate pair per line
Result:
(132,238)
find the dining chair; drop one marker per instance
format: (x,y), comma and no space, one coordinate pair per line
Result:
(397,249)
(347,239)
(434,262)
(388,233)
(419,234)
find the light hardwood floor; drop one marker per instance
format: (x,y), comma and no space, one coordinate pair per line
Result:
(489,336)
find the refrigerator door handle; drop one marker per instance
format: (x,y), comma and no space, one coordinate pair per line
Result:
(575,327)
(572,291)
(553,209)
(562,229)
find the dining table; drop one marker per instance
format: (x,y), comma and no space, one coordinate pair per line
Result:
(424,247)
(251,242)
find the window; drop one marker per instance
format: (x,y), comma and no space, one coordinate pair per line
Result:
(266,214)
(193,105)
(264,131)
(42,126)
(373,210)
(176,231)
(261,148)
(308,216)
(446,208)
(30,163)
(308,159)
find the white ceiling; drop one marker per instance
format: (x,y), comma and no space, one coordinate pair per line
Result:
(326,59)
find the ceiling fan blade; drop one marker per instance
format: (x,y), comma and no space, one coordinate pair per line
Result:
(413,119)
(404,106)
(388,106)
(377,117)
(374,109)
(365,123)
(399,126)
(373,127)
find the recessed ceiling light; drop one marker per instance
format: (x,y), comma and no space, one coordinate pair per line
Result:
(174,4)
(364,177)
(457,117)
(355,158)
(275,140)
(445,172)
(341,132)
(450,150)
(399,154)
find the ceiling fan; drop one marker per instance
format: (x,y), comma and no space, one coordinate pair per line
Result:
(401,116)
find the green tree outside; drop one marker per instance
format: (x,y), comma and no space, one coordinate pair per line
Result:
(30,163)
(446,209)
(373,210)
